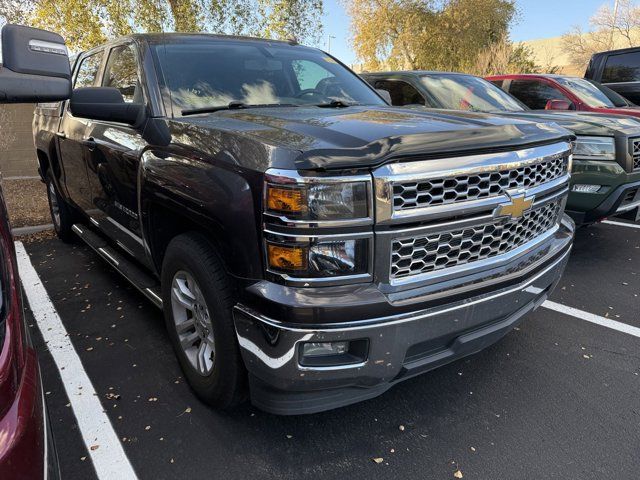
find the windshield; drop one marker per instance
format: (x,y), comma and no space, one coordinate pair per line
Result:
(464,92)
(586,91)
(214,73)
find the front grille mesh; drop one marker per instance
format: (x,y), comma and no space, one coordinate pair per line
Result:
(636,154)
(423,254)
(441,191)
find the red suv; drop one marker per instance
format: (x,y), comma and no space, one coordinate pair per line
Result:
(558,92)
(35,68)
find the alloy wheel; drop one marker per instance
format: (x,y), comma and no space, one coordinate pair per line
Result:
(192,322)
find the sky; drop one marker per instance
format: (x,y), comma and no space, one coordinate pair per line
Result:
(538,19)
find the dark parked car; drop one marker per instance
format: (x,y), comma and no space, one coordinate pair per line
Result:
(618,70)
(559,92)
(35,67)
(606,161)
(303,237)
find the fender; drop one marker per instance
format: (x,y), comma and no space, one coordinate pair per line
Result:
(211,197)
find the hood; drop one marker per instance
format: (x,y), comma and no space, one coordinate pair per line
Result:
(355,137)
(583,123)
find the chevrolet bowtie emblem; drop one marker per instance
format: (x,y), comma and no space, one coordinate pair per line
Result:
(516,208)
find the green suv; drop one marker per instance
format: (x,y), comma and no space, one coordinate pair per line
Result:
(606,160)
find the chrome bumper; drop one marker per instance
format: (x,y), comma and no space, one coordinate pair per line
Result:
(400,346)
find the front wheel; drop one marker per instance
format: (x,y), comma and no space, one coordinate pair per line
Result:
(198,301)
(61,213)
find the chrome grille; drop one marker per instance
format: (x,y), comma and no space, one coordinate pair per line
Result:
(428,253)
(445,190)
(635,152)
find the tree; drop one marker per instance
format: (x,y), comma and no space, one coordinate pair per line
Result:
(504,57)
(609,30)
(427,34)
(85,24)
(386,32)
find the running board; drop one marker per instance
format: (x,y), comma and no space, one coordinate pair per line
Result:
(144,282)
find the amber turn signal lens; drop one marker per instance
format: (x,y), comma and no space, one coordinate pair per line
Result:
(287,258)
(287,200)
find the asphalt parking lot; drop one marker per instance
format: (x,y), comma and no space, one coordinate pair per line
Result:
(558,397)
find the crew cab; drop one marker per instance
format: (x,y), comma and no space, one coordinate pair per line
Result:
(618,70)
(560,92)
(304,239)
(606,160)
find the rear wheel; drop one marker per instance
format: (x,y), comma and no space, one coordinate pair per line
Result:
(61,213)
(198,300)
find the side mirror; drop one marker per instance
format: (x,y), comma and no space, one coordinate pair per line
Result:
(34,66)
(385,95)
(104,103)
(558,105)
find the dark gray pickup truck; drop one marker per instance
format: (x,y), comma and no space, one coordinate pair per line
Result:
(308,243)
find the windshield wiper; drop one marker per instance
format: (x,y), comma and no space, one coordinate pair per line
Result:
(336,104)
(234,105)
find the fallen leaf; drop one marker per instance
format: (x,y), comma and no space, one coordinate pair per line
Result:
(378,459)
(94,447)
(457,474)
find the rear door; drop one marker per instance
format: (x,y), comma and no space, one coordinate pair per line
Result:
(621,73)
(72,135)
(113,163)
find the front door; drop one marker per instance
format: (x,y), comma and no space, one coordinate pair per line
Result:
(114,159)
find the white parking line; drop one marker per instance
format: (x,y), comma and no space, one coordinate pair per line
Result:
(621,224)
(102,443)
(590,317)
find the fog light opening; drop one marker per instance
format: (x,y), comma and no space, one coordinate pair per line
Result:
(333,354)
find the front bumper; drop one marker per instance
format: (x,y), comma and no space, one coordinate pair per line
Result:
(623,199)
(420,334)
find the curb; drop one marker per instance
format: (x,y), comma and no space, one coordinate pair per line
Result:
(31,229)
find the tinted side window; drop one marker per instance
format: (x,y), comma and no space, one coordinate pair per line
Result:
(121,72)
(88,71)
(624,67)
(535,94)
(401,92)
(497,83)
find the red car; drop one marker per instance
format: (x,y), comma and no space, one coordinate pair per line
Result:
(559,92)
(35,68)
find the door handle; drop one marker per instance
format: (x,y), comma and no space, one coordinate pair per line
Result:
(61,135)
(90,143)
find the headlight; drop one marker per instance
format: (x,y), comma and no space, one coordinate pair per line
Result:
(298,199)
(318,228)
(594,148)
(318,257)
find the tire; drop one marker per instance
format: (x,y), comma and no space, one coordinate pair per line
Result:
(207,330)
(62,215)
